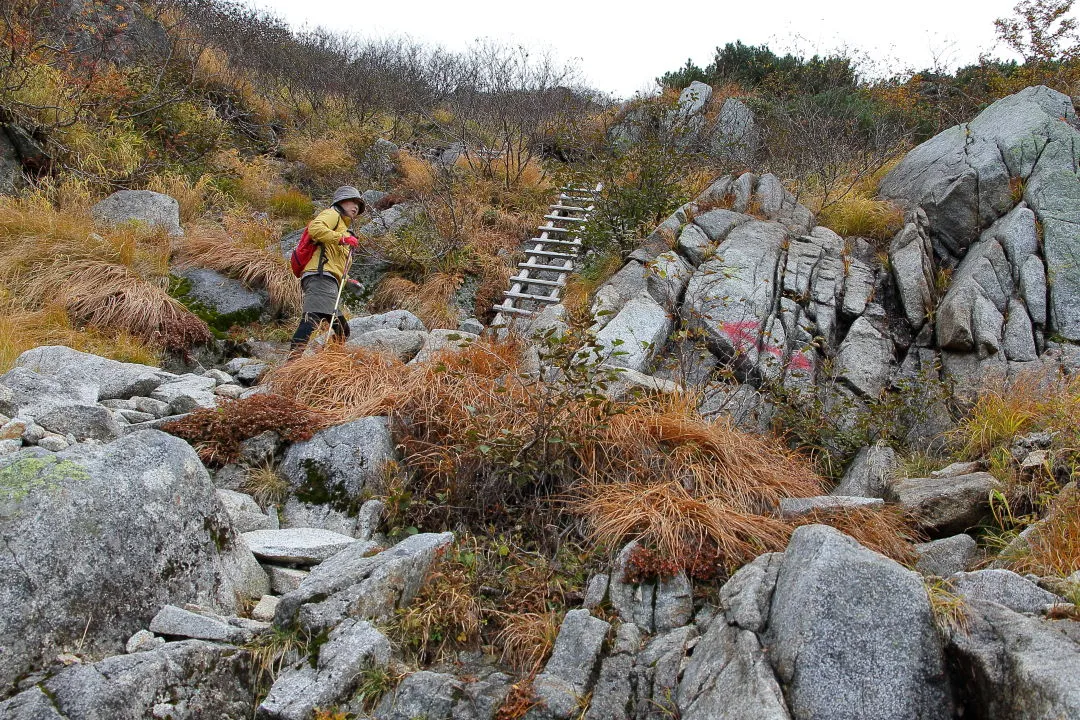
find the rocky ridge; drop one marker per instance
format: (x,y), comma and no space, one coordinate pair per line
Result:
(130,564)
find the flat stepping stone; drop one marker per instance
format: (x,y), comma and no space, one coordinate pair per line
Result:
(303,546)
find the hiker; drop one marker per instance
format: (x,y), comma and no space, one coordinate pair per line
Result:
(324,272)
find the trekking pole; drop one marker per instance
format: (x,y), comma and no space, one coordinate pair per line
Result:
(337,301)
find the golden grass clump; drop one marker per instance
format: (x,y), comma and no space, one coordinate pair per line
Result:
(326,154)
(855,215)
(417,175)
(22,330)
(293,204)
(1053,547)
(211,247)
(1029,403)
(1034,401)
(256,179)
(430,300)
(114,281)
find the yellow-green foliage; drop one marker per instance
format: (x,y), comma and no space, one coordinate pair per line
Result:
(292,204)
(326,155)
(22,330)
(1053,547)
(1029,403)
(855,215)
(113,279)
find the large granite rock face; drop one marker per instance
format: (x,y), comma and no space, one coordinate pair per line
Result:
(730,297)
(182,680)
(964,179)
(142,207)
(339,463)
(735,136)
(96,377)
(98,538)
(1010,666)
(27,394)
(851,633)
(729,678)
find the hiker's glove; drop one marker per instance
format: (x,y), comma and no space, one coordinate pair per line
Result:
(351,241)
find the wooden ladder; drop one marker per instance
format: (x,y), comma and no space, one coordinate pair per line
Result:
(540,280)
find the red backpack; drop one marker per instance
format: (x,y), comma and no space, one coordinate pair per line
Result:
(301,256)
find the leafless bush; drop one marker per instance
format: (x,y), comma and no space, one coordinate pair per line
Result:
(827,144)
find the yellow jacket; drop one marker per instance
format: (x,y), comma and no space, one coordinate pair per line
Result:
(326,230)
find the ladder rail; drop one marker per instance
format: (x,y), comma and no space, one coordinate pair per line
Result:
(527,282)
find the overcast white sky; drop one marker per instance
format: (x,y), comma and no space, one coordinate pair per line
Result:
(621,47)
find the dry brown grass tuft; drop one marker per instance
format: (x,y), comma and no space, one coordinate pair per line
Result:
(667,438)
(445,613)
(114,280)
(430,300)
(521,698)
(668,517)
(108,295)
(527,639)
(888,530)
(343,383)
(210,247)
(325,155)
(478,436)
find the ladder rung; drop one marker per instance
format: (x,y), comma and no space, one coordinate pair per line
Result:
(563,217)
(512,309)
(547,268)
(527,296)
(537,281)
(552,228)
(569,208)
(576,198)
(570,188)
(575,243)
(550,253)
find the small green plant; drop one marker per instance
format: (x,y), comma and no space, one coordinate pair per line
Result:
(274,649)
(375,681)
(292,204)
(266,485)
(832,425)
(949,609)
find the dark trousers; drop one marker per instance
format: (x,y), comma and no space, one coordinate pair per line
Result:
(310,321)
